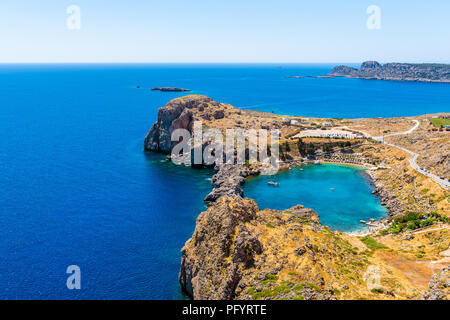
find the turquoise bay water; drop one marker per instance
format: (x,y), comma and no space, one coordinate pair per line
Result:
(76,187)
(340,194)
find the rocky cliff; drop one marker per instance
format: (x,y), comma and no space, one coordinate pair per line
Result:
(238,251)
(396,71)
(182,112)
(230,251)
(179,113)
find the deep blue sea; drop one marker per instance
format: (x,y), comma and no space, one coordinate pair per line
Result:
(76,187)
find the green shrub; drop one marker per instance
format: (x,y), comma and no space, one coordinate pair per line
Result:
(412,225)
(377,290)
(313,286)
(372,244)
(396,228)
(436,216)
(281,289)
(271,277)
(426,223)
(298,287)
(409,217)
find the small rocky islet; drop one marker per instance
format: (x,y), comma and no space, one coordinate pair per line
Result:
(166,89)
(170,89)
(239,251)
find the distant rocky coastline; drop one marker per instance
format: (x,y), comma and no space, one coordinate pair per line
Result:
(372,70)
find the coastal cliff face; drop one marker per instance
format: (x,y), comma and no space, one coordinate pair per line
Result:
(231,252)
(396,71)
(182,112)
(239,252)
(178,113)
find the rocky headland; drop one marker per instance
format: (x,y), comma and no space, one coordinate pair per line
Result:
(239,251)
(372,70)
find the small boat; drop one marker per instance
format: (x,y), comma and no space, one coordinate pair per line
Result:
(332,189)
(362,221)
(273,183)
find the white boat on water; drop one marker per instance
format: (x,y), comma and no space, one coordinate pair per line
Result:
(273,183)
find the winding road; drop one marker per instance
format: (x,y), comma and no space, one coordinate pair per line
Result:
(413,160)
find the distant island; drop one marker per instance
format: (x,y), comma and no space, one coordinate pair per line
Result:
(170,89)
(372,70)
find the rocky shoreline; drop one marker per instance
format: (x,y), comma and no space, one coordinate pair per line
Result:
(387,196)
(228,181)
(229,178)
(238,251)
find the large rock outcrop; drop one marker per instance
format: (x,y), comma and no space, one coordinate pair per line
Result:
(184,111)
(238,251)
(179,113)
(425,72)
(439,287)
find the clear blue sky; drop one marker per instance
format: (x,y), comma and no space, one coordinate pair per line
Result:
(224,31)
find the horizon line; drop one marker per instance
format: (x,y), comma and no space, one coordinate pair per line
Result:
(207,62)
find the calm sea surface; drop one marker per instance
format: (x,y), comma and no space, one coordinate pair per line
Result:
(76,187)
(341,195)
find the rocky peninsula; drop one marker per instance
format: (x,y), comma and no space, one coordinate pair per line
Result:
(372,70)
(239,251)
